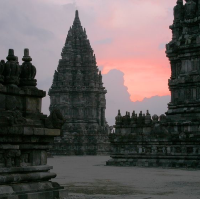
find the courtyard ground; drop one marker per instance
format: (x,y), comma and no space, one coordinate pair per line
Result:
(87,177)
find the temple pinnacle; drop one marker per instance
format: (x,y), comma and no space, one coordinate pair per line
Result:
(77,20)
(76,15)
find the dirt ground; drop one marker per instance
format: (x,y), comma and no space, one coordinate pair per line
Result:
(87,177)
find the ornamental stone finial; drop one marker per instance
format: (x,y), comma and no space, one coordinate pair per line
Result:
(155,118)
(76,13)
(77,20)
(118,118)
(11,55)
(133,118)
(28,71)
(178,11)
(26,56)
(12,69)
(2,68)
(163,118)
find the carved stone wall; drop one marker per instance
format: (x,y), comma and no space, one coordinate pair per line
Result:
(155,141)
(77,91)
(171,140)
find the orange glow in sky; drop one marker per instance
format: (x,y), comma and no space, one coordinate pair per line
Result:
(131,37)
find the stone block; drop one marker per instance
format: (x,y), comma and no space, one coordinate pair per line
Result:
(12,197)
(33,104)
(42,195)
(52,132)
(39,131)
(63,194)
(43,157)
(28,131)
(2,101)
(4,189)
(35,157)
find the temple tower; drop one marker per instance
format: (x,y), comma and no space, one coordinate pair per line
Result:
(77,88)
(171,140)
(183,53)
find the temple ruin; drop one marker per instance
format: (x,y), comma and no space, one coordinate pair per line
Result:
(25,133)
(173,139)
(77,91)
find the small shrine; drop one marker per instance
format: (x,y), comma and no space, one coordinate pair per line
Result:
(25,133)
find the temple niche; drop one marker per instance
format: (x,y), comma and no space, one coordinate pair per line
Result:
(77,91)
(172,139)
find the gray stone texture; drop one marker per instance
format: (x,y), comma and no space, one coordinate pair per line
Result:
(77,91)
(171,140)
(25,135)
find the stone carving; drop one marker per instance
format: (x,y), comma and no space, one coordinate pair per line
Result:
(118,118)
(16,118)
(55,120)
(179,11)
(190,9)
(78,77)
(133,118)
(148,118)
(24,136)
(163,118)
(2,66)
(28,71)
(155,118)
(12,69)
(12,158)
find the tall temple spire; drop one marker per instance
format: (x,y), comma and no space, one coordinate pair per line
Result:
(183,53)
(76,14)
(77,88)
(76,42)
(76,19)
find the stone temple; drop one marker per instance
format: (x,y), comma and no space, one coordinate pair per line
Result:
(171,140)
(77,91)
(25,134)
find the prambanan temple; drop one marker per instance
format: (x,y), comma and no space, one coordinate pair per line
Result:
(25,133)
(77,91)
(173,139)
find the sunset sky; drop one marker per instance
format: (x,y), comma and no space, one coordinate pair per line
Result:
(130,35)
(127,35)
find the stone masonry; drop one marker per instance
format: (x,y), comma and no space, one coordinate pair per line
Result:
(171,140)
(25,133)
(77,91)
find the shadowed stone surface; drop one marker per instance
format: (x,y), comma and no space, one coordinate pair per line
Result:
(171,140)
(77,91)
(25,137)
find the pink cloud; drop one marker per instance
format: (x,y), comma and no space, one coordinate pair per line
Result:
(137,30)
(129,35)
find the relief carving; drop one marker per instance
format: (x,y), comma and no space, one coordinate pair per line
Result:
(12,158)
(55,120)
